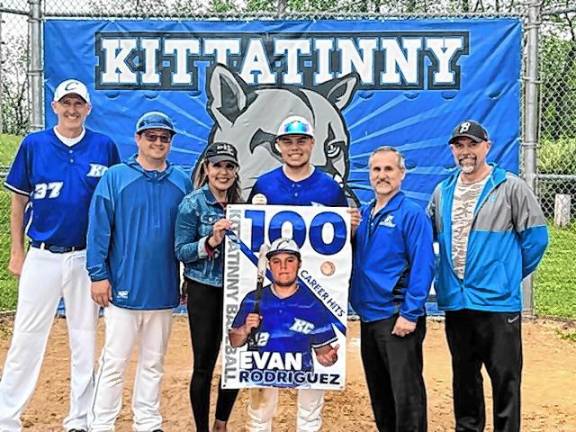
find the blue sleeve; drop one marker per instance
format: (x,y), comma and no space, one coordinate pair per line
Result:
(418,241)
(114,154)
(189,247)
(100,221)
(324,333)
(245,308)
(341,200)
(255,190)
(18,179)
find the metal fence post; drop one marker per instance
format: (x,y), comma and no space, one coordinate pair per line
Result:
(35,70)
(532,122)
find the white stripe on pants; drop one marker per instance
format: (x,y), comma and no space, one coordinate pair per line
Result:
(46,277)
(124,327)
(262,408)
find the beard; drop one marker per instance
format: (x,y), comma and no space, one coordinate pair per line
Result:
(467,165)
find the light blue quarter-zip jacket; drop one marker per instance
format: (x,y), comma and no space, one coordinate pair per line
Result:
(507,240)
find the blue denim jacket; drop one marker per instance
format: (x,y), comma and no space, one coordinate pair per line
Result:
(197,213)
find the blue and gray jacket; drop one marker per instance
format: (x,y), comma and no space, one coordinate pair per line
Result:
(131,235)
(507,240)
(393,261)
(197,214)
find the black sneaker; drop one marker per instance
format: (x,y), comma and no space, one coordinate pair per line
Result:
(77,430)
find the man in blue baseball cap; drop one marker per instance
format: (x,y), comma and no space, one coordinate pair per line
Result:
(134,271)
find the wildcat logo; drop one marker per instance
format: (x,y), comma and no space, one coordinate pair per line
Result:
(249,116)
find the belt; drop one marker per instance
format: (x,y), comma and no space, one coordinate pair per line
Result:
(56,249)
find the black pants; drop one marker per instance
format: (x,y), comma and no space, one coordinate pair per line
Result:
(393,367)
(492,339)
(205,319)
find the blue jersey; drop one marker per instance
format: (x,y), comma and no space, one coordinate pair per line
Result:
(318,189)
(131,235)
(59,181)
(296,324)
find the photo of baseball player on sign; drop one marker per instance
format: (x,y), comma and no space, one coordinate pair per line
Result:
(287,332)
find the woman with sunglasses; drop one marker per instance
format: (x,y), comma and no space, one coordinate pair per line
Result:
(200,228)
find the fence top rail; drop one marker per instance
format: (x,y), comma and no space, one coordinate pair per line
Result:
(14,11)
(271,15)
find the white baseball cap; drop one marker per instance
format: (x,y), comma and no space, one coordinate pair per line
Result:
(283,245)
(71,86)
(295,125)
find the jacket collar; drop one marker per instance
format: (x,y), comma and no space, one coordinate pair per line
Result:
(392,205)
(208,195)
(150,175)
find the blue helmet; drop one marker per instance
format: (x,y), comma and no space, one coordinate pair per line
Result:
(155,120)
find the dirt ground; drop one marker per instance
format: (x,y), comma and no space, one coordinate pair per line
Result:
(549,385)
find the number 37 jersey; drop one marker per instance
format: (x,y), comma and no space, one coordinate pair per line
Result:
(59,181)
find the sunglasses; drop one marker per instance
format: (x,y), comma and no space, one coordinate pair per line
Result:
(152,137)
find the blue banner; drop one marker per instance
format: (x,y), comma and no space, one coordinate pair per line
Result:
(363,84)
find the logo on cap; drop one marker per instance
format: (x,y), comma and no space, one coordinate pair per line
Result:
(295,125)
(464,127)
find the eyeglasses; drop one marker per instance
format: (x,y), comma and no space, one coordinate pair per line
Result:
(152,137)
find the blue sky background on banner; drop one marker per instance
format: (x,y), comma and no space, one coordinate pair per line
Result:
(417,122)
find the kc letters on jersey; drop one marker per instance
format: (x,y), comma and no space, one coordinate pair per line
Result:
(282,351)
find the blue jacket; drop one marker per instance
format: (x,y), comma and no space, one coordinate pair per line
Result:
(393,261)
(131,235)
(196,216)
(507,240)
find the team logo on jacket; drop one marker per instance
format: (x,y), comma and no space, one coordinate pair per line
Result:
(96,170)
(388,222)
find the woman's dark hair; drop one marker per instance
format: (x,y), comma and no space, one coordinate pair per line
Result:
(234,193)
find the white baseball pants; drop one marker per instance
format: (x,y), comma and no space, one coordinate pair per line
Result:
(263,403)
(46,277)
(124,327)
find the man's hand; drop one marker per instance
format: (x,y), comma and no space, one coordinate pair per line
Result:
(252,322)
(16,263)
(102,292)
(355,218)
(327,355)
(403,327)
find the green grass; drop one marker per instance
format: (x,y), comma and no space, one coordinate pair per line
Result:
(8,146)
(555,280)
(8,283)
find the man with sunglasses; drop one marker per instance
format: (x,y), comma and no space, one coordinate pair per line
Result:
(134,271)
(52,179)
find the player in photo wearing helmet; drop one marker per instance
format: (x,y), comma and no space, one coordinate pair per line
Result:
(292,323)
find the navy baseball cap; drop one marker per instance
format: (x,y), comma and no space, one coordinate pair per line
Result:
(283,245)
(155,120)
(469,129)
(219,152)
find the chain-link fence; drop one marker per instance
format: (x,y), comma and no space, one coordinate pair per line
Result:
(549,124)
(14,119)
